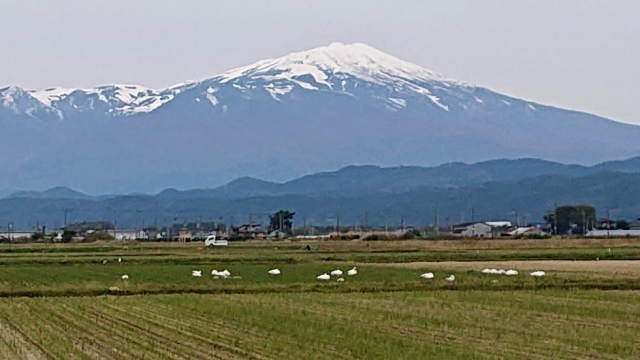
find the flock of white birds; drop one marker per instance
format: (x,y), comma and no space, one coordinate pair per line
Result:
(337,273)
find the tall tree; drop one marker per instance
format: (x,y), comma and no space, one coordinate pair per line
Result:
(281,220)
(572,218)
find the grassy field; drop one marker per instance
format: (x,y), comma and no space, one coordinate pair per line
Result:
(63,302)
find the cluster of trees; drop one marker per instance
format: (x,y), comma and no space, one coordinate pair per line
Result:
(281,221)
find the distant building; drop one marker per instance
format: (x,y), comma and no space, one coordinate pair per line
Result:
(276,235)
(12,235)
(129,234)
(604,224)
(526,231)
(613,233)
(499,224)
(251,231)
(635,225)
(477,229)
(185,235)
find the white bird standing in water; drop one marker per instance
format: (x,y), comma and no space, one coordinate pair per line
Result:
(352,271)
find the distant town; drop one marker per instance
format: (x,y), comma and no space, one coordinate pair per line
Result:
(567,221)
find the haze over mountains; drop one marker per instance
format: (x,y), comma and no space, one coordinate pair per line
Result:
(496,189)
(278,119)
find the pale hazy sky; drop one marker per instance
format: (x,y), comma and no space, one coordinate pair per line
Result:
(577,54)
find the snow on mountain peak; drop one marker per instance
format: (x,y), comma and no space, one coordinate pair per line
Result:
(358,70)
(357,60)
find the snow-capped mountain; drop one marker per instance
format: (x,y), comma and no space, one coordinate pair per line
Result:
(357,71)
(279,118)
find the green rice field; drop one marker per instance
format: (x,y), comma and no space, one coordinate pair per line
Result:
(70,301)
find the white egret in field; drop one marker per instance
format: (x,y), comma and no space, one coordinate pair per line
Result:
(538,273)
(274,272)
(125,277)
(428,275)
(104,261)
(196,273)
(324,276)
(511,272)
(336,272)
(340,280)
(215,272)
(352,271)
(451,278)
(224,273)
(119,259)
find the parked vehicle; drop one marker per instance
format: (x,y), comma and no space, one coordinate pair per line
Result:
(212,240)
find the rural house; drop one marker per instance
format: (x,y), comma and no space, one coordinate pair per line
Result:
(477,229)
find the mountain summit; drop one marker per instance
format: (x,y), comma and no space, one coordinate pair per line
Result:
(309,111)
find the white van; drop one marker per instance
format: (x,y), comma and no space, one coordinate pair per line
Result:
(211,240)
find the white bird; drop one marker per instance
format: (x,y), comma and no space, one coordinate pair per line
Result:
(197,273)
(119,259)
(274,272)
(451,278)
(104,261)
(511,272)
(352,271)
(125,277)
(340,279)
(224,273)
(501,272)
(336,272)
(215,272)
(487,271)
(427,275)
(324,276)
(537,273)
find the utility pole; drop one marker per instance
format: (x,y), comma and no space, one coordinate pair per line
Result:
(366,221)
(555,219)
(584,223)
(608,223)
(338,225)
(65,217)
(437,226)
(473,222)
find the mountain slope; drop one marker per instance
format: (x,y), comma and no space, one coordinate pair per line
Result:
(306,112)
(357,180)
(532,198)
